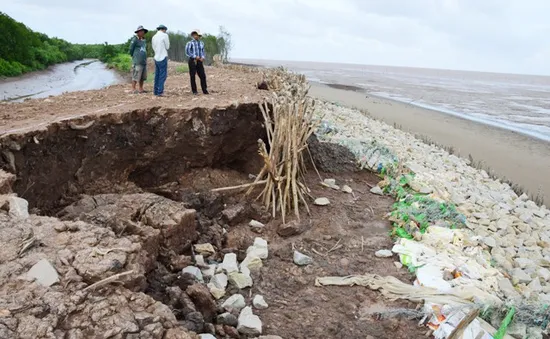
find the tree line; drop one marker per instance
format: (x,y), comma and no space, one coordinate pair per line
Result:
(24,50)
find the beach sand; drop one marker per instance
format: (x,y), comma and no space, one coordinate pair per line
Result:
(521,159)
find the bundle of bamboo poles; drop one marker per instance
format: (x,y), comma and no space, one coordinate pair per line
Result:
(289,123)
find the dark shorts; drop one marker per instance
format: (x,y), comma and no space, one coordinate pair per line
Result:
(139,72)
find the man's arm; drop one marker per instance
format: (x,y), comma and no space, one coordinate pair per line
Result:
(132,46)
(167,42)
(189,50)
(202,53)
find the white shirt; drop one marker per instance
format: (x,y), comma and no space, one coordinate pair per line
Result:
(161,45)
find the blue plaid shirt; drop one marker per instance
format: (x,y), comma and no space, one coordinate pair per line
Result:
(194,49)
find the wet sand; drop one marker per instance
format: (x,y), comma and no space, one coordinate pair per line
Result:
(523,160)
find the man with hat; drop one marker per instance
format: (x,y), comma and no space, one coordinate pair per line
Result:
(138,51)
(161,44)
(195,52)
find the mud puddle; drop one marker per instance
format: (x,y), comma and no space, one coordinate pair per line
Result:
(74,76)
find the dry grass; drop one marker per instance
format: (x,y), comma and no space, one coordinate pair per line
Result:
(289,123)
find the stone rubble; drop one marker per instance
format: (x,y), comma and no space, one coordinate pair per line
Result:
(234,302)
(301,259)
(259,302)
(19,208)
(384,254)
(508,230)
(249,323)
(44,273)
(194,271)
(322,202)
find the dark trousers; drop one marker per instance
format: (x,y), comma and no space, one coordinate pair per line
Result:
(161,72)
(197,67)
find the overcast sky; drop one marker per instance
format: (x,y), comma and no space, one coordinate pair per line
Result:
(490,35)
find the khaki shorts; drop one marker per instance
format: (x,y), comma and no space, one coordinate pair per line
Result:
(139,72)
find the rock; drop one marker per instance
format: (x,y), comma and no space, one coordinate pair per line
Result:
(180,262)
(209,271)
(519,276)
(507,288)
(302,259)
(398,265)
(252,263)
(205,249)
(19,208)
(229,263)
(194,271)
(489,241)
(249,324)
(255,224)
(544,274)
(517,330)
(6,182)
(194,321)
(347,189)
(535,286)
(240,280)
(330,183)
(235,214)
(234,302)
(228,319)
(291,228)
(199,260)
(259,302)
(216,292)
(480,216)
(377,190)
(203,301)
(219,280)
(384,254)
(44,273)
(534,333)
(524,262)
(269,337)
(322,202)
(206,336)
(258,249)
(231,332)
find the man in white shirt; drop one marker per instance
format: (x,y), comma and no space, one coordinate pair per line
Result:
(161,44)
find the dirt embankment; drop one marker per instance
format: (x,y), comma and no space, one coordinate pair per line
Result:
(120,194)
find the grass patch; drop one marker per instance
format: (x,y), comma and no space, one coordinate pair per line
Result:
(121,62)
(182,69)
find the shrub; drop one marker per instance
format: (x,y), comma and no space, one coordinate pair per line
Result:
(121,62)
(11,68)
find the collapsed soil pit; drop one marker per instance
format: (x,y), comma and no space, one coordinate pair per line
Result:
(131,192)
(114,152)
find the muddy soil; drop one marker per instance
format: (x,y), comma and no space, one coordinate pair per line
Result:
(342,239)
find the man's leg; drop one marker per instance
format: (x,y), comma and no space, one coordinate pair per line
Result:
(163,74)
(192,73)
(143,77)
(202,76)
(156,85)
(135,77)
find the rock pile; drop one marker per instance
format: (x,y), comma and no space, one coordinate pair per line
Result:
(503,230)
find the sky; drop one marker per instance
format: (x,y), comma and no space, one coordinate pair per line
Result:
(508,36)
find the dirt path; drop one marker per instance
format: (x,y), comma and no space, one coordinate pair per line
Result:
(226,87)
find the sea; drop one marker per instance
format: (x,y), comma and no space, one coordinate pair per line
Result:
(516,102)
